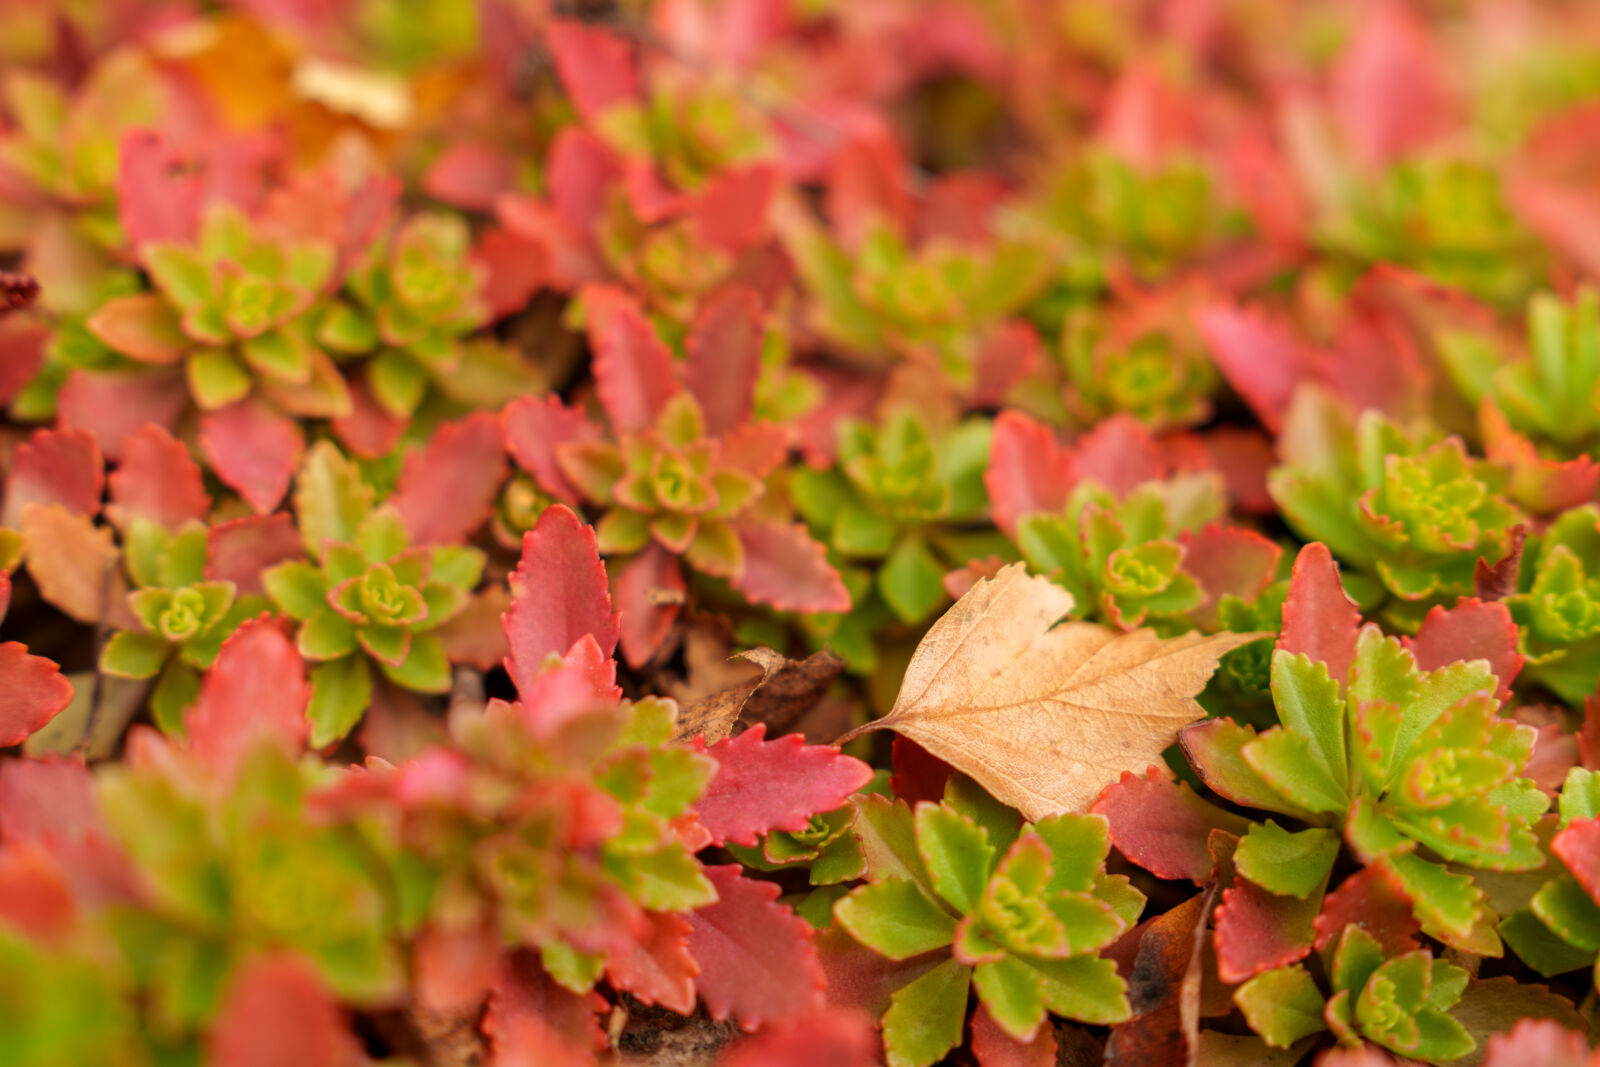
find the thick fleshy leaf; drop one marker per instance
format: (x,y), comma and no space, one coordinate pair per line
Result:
(111,406)
(74,563)
(925,1018)
(1282,1006)
(1227,560)
(158,480)
(238,550)
(1261,357)
(61,467)
(32,691)
(1162,825)
(1028,472)
(1320,621)
(1578,846)
(724,357)
(533,427)
(1259,931)
(253,449)
(559,594)
(1470,630)
(650,593)
(159,193)
(1541,1041)
(22,353)
(1008,354)
(757,962)
(785,568)
(447,488)
(255,692)
(993,1047)
(657,966)
(596,66)
(761,786)
(143,327)
(276,1012)
(633,369)
(1120,454)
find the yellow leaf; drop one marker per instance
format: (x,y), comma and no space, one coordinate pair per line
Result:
(1041,715)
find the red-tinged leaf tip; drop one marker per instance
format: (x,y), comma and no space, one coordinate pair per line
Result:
(256,691)
(531,1020)
(596,67)
(1542,485)
(158,480)
(650,592)
(633,369)
(1228,559)
(533,426)
(1368,899)
(732,211)
(757,962)
(158,194)
(1470,630)
(277,1012)
(238,550)
(839,1037)
(447,488)
(724,358)
(1578,847)
(55,467)
(559,595)
(1257,931)
(1260,356)
(785,568)
(112,406)
(1319,619)
(1028,472)
(656,965)
(253,449)
(32,692)
(1163,826)
(761,786)
(993,1047)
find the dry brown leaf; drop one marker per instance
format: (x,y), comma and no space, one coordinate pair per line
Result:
(784,690)
(1042,717)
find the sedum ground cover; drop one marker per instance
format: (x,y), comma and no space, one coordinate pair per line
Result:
(767,532)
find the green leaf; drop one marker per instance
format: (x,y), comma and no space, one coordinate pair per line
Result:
(216,379)
(1447,905)
(860,532)
(297,587)
(1310,702)
(1014,995)
(330,497)
(957,852)
(1282,1006)
(398,383)
(1289,864)
(341,692)
(895,919)
(326,635)
(885,829)
(425,669)
(1567,909)
(183,561)
(912,581)
(134,655)
(926,1018)
(572,970)
(1085,988)
(176,691)
(1540,947)
(1078,847)
(668,879)
(1580,795)
(1287,763)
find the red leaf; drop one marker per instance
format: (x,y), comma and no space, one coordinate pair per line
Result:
(724,358)
(788,570)
(1120,454)
(1257,930)
(657,966)
(470,174)
(731,211)
(533,426)
(1259,355)
(256,691)
(1028,472)
(142,327)
(581,169)
(159,192)
(1470,630)
(993,1047)
(558,595)
(1162,825)
(32,692)
(1009,354)
(1540,484)
(756,958)
(238,550)
(839,1037)
(17,291)
(454,967)
(531,1020)
(36,899)
(447,488)
(917,773)
(516,269)
(475,637)
(1368,899)
(1228,559)
(756,447)
(632,366)
(1243,456)
(1543,1042)
(1392,57)
(650,593)
(47,800)
(55,467)
(113,405)
(22,353)
(277,1012)
(253,449)
(867,183)
(1550,184)
(761,786)
(1578,846)
(158,480)
(1589,733)
(368,431)
(1319,619)
(596,67)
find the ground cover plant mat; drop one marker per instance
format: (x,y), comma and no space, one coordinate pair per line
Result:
(772,533)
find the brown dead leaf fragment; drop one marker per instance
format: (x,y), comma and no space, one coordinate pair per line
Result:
(1045,716)
(784,690)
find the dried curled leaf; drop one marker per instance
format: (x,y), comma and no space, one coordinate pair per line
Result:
(1045,716)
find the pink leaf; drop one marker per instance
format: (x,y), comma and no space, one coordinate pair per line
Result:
(756,958)
(756,447)
(724,358)
(1257,931)
(516,269)
(1028,472)
(596,67)
(447,488)
(993,1047)
(1009,354)
(47,800)
(159,193)
(277,1012)
(581,171)
(1543,485)
(533,426)
(1392,57)
(158,480)
(470,174)
(454,966)
(475,637)
(1578,846)
(368,430)
(633,369)
(32,692)
(1260,357)
(256,691)
(558,595)
(55,467)
(650,593)
(238,550)
(531,1020)
(1163,826)
(113,405)
(35,895)
(657,966)
(22,353)
(839,1037)
(1550,185)
(1541,1042)
(1470,630)
(1319,618)
(761,786)
(731,212)
(788,570)
(253,449)
(1228,559)
(867,182)
(1120,454)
